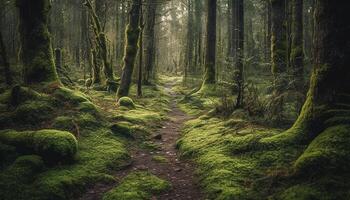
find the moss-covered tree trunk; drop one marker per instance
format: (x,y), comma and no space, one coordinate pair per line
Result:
(209,76)
(101,43)
(328,99)
(297,52)
(139,79)
(278,51)
(132,37)
(38,62)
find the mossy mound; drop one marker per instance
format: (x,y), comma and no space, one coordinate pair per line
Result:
(21,172)
(123,129)
(328,153)
(126,102)
(239,160)
(52,145)
(137,186)
(70,96)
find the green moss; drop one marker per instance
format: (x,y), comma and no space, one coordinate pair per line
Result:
(87,107)
(70,96)
(328,153)
(21,172)
(63,123)
(137,186)
(160,159)
(126,102)
(123,129)
(52,145)
(33,113)
(301,192)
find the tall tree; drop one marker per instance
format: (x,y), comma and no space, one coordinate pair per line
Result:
(328,96)
(132,37)
(36,45)
(297,52)
(190,45)
(101,43)
(209,76)
(278,51)
(240,53)
(3,55)
(149,40)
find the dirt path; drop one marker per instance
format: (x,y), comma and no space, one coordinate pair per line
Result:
(178,172)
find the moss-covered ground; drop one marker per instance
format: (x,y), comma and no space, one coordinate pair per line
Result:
(238,158)
(138,186)
(57,142)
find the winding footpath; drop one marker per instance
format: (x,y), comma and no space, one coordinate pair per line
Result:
(179,173)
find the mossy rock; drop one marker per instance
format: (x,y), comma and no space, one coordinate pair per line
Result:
(88,121)
(138,186)
(63,123)
(52,145)
(329,152)
(123,129)
(126,102)
(33,113)
(15,178)
(87,107)
(70,96)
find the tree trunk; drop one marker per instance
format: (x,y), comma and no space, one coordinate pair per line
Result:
(132,37)
(297,52)
(329,94)
(149,41)
(139,80)
(240,54)
(37,53)
(209,76)
(5,62)
(268,32)
(279,51)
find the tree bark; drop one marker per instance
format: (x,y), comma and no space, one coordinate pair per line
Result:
(132,37)
(278,51)
(297,52)
(209,76)
(240,54)
(37,53)
(149,41)
(5,62)
(329,94)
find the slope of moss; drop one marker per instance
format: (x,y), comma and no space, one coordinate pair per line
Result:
(235,161)
(138,186)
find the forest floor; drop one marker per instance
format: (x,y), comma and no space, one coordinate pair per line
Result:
(163,160)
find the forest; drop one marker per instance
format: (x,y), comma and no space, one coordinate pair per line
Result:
(174,99)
